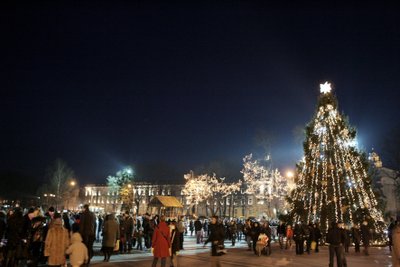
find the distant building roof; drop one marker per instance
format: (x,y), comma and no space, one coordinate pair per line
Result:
(165,201)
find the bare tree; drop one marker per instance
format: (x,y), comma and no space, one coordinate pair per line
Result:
(60,177)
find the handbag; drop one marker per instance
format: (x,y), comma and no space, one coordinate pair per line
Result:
(313,245)
(116,247)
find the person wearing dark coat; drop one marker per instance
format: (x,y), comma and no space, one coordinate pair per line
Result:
(87,229)
(14,235)
(335,238)
(316,236)
(2,224)
(175,244)
(111,235)
(298,236)
(347,240)
(255,233)
(309,236)
(147,230)
(356,235)
(198,228)
(216,237)
(281,231)
(266,229)
(365,236)
(391,226)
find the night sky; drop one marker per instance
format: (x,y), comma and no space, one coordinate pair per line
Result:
(167,88)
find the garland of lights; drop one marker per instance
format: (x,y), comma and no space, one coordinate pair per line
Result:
(332,179)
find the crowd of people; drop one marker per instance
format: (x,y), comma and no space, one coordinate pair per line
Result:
(33,237)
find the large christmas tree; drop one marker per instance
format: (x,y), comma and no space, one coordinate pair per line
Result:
(332,179)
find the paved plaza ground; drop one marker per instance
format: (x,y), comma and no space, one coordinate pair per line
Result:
(195,255)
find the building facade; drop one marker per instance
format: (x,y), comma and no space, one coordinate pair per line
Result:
(104,199)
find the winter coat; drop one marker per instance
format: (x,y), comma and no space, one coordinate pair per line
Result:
(2,224)
(77,250)
(57,242)
(289,233)
(87,225)
(356,234)
(298,233)
(216,237)
(110,232)
(161,241)
(335,236)
(175,242)
(396,246)
(365,234)
(197,225)
(14,228)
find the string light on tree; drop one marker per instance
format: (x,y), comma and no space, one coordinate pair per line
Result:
(263,182)
(208,188)
(332,182)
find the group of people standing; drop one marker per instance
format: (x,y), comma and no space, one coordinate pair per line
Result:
(35,238)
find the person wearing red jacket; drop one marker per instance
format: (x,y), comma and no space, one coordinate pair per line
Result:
(161,242)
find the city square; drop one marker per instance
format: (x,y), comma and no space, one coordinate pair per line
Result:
(197,255)
(196,133)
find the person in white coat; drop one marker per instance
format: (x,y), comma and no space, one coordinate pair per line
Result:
(77,250)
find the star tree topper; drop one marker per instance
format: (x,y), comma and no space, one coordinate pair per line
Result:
(325,88)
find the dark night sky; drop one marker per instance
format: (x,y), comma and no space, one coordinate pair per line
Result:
(175,86)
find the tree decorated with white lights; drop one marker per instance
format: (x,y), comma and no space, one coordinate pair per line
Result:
(332,182)
(122,183)
(265,183)
(209,189)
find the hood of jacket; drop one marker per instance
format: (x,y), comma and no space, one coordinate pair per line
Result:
(76,238)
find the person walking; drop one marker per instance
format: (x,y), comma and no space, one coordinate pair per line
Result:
(128,221)
(348,239)
(281,231)
(255,232)
(233,232)
(247,228)
(289,237)
(198,228)
(298,235)
(181,227)
(356,235)
(161,242)
(57,242)
(175,244)
(87,229)
(111,235)
(191,227)
(365,236)
(216,237)
(391,226)
(396,245)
